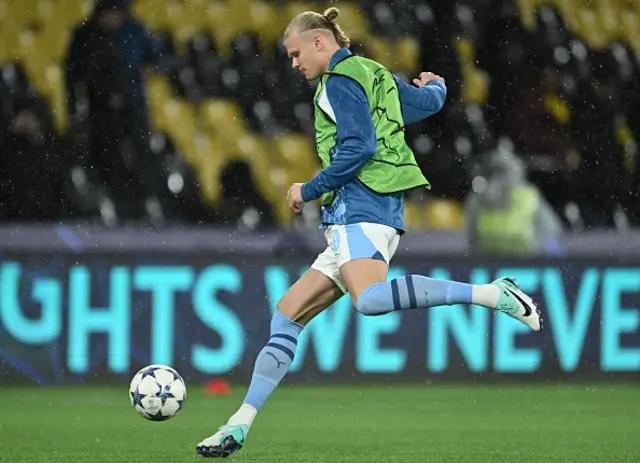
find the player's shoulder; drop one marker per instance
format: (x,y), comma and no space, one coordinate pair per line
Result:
(338,85)
(359,63)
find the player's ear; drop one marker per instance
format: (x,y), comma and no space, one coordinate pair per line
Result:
(317,41)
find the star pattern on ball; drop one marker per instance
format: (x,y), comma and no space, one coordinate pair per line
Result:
(148,372)
(165,394)
(158,416)
(136,397)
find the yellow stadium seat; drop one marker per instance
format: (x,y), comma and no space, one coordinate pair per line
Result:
(527,9)
(444,214)
(20,44)
(186,20)
(268,24)
(224,117)
(156,14)
(296,153)
(210,170)
(24,13)
(608,19)
(292,9)
(272,181)
(475,86)
(70,13)
(158,89)
(354,22)
(629,23)
(48,80)
(406,54)
(381,51)
(567,9)
(466,50)
(50,84)
(55,89)
(226,21)
(413,216)
(9,44)
(588,25)
(178,119)
(3,13)
(57,42)
(475,82)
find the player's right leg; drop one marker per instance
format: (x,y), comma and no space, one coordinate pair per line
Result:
(309,296)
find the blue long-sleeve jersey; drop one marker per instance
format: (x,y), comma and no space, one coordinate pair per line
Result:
(356,144)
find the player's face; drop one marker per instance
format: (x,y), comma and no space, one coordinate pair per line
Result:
(304,51)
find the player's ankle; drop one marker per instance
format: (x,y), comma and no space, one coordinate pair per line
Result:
(486,295)
(245,415)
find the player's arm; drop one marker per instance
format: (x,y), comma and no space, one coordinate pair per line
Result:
(356,137)
(420,102)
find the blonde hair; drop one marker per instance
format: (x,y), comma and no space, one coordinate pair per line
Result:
(310,20)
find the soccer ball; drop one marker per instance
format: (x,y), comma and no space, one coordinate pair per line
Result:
(157,392)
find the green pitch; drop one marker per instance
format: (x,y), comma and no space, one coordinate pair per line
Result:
(448,424)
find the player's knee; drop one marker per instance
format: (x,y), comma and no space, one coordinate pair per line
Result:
(372,300)
(282,323)
(291,310)
(288,308)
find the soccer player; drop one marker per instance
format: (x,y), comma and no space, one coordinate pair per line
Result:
(360,112)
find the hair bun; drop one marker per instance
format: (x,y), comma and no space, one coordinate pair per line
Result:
(330,13)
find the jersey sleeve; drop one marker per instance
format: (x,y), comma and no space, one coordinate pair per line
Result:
(420,102)
(356,137)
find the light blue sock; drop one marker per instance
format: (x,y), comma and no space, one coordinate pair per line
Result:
(274,360)
(412,292)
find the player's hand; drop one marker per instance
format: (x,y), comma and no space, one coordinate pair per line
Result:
(426,77)
(294,196)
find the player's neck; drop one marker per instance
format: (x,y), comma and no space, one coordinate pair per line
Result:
(330,52)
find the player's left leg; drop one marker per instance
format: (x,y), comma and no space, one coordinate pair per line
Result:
(316,290)
(364,251)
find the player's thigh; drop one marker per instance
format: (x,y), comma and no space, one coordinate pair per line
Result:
(359,274)
(309,296)
(364,253)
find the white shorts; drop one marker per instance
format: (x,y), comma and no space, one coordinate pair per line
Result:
(352,242)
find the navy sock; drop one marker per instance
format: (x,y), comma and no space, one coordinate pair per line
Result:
(274,360)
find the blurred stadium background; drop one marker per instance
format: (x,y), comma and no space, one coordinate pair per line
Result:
(143,167)
(555,81)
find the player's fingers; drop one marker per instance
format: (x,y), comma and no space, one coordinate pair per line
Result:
(417,82)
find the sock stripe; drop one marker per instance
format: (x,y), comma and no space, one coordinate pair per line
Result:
(396,295)
(291,339)
(281,348)
(411,290)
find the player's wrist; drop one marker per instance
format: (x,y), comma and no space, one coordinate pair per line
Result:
(308,192)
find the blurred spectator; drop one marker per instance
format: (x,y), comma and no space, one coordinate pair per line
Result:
(505,214)
(539,121)
(593,116)
(503,54)
(438,54)
(104,64)
(31,178)
(628,74)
